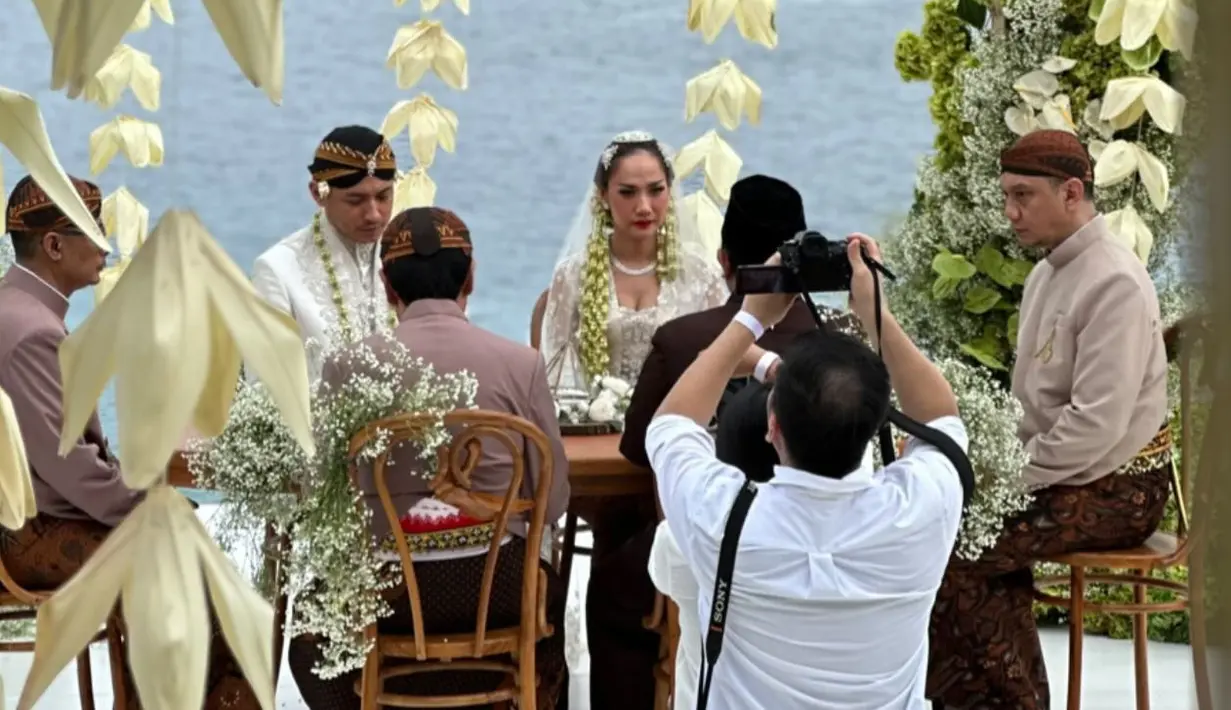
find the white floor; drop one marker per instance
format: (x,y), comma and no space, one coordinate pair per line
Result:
(1108,683)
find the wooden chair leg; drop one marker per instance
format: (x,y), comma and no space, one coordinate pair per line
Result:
(115,651)
(1141,639)
(1077,609)
(85,680)
(371,685)
(527,678)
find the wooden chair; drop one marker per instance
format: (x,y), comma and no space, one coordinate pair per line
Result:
(536,320)
(19,603)
(665,621)
(473,651)
(1160,551)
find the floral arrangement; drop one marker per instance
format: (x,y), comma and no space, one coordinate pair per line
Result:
(605,403)
(334,574)
(1002,69)
(991,415)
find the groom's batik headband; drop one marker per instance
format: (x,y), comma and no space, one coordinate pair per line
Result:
(633,137)
(31,210)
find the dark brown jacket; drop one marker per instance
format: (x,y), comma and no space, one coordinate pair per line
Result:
(677,343)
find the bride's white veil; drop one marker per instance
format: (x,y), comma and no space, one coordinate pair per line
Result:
(560,318)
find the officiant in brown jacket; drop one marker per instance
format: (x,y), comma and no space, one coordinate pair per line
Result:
(427,266)
(762,214)
(80,497)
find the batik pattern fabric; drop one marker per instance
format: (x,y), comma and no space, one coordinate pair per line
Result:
(984,644)
(48,551)
(449,592)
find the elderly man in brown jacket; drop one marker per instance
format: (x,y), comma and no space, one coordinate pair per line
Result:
(428,271)
(81,497)
(1091,374)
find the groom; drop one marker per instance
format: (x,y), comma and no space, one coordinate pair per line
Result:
(762,214)
(327,275)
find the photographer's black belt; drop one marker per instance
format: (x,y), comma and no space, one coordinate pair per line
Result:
(723,576)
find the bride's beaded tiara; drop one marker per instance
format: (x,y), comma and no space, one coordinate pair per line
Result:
(633,137)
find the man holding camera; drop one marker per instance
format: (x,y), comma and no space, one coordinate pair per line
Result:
(837,565)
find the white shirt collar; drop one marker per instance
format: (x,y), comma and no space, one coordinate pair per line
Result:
(856,480)
(41,280)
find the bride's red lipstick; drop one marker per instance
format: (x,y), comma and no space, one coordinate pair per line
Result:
(643,224)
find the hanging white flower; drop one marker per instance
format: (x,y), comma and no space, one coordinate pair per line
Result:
(726,92)
(1127,99)
(1136,22)
(1120,160)
(716,158)
(1131,230)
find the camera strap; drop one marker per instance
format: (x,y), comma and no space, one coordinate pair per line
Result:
(721,599)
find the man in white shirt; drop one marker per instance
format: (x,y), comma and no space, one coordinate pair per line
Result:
(837,565)
(327,274)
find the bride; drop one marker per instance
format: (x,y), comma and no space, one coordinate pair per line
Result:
(628,265)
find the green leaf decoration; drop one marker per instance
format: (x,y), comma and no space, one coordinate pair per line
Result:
(1144,57)
(1017,270)
(973,13)
(944,287)
(979,351)
(1096,9)
(953,266)
(981,299)
(1011,326)
(991,262)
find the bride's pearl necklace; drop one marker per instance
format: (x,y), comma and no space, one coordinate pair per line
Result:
(629,271)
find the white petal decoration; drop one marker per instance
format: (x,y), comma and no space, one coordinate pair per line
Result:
(698,209)
(140,141)
(253,34)
(173,333)
(717,159)
(426,45)
(1057,114)
(16,491)
(126,220)
(1130,230)
(1128,98)
(161,7)
(414,188)
(1141,17)
(126,68)
(1110,20)
(1091,118)
(1177,30)
(1122,159)
(23,132)
(83,34)
(1058,64)
(430,125)
(1036,87)
(1021,120)
(107,279)
(726,92)
(431,5)
(1096,148)
(158,563)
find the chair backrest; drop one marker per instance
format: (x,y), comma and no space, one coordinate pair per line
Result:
(20,593)
(536,320)
(455,462)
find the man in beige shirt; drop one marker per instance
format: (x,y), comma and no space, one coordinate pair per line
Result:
(428,270)
(1091,374)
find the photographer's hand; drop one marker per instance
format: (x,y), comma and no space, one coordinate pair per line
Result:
(863,295)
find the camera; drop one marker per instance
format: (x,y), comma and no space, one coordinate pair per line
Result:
(810,264)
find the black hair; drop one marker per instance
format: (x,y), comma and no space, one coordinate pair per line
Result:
(830,397)
(441,276)
(602,173)
(1086,186)
(25,244)
(740,441)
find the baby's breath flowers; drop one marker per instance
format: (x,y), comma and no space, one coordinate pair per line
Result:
(334,575)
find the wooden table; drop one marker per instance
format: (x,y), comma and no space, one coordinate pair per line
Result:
(596,468)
